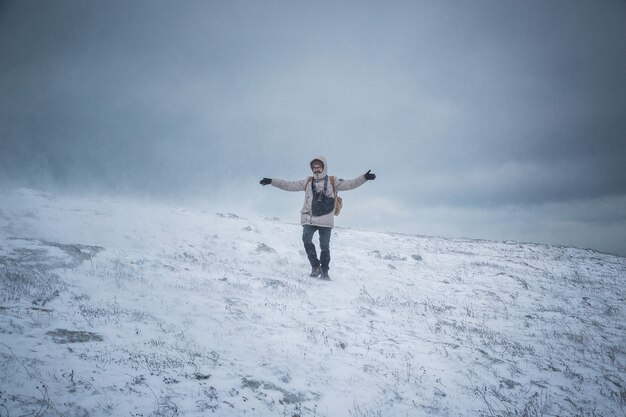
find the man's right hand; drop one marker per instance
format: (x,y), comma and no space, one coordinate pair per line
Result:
(265,181)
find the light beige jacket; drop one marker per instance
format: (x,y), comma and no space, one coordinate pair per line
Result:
(306,217)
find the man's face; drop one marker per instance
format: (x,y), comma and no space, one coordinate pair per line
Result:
(317,168)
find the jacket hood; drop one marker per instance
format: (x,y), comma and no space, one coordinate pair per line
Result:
(324,171)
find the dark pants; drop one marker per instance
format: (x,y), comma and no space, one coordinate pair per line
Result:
(307,237)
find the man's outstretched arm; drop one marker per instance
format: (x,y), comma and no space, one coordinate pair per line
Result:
(284,184)
(346,185)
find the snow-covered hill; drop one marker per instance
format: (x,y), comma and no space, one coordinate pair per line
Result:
(125,308)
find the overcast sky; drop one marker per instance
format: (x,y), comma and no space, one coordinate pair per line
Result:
(491,119)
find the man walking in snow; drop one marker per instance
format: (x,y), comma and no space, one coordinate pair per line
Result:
(318,211)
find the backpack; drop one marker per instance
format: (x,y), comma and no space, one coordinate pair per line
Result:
(338,200)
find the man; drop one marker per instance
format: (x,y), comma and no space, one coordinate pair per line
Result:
(318,211)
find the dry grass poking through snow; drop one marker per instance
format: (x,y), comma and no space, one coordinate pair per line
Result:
(130,309)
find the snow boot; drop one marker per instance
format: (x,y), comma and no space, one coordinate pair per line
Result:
(325,275)
(315,272)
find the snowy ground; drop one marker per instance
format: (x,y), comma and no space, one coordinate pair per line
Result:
(118,308)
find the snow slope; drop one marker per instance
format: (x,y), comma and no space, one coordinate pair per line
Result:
(125,308)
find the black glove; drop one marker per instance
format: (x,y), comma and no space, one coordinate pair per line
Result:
(265,181)
(368,176)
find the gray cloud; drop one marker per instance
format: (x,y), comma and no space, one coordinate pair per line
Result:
(473,106)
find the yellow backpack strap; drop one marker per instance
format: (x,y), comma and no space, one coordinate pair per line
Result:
(332,182)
